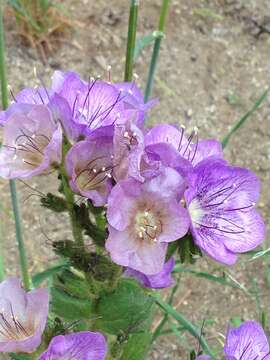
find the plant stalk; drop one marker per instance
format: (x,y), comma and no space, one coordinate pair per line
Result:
(156,49)
(131,40)
(15,206)
(76,227)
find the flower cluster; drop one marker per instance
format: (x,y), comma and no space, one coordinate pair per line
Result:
(158,184)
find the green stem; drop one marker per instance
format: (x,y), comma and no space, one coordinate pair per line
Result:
(153,65)
(19,236)
(192,329)
(15,207)
(131,40)
(76,228)
(162,323)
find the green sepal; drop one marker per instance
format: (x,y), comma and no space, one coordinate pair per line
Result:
(188,250)
(125,310)
(98,266)
(54,203)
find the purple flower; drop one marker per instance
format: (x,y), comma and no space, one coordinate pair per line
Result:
(247,342)
(89,167)
(32,141)
(128,147)
(161,280)
(220,200)
(175,139)
(84,345)
(23,316)
(143,218)
(134,101)
(203,357)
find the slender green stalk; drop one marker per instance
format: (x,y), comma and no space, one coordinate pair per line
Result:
(162,323)
(15,207)
(153,65)
(76,227)
(19,236)
(131,40)
(192,329)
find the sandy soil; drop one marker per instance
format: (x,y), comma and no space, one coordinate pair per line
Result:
(214,63)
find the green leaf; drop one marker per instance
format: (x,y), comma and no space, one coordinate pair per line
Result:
(144,41)
(222,280)
(258,254)
(207,13)
(192,329)
(20,357)
(69,307)
(48,273)
(125,309)
(137,346)
(242,121)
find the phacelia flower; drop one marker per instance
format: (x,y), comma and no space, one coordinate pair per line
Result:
(83,345)
(220,200)
(127,149)
(134,101)
(23,317)
(161,280)
(247,342)
(32,142)
(143,218)
(191,149)
(85,106)
(89,167)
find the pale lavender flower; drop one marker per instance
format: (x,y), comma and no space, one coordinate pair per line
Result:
(203,357)
(83,345)
(143,218)
(161,280)
(191,148)
(89,167)
(128,146)
(23,316)
(220,200)
(247,342)
(32,142)
(86,106)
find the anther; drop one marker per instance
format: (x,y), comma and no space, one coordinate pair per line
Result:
(103,168)
(140,234)
(94,170)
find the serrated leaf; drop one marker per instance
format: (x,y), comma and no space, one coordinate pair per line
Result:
(125,309)
(69,307)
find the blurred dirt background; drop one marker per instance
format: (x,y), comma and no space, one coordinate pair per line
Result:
(214,63)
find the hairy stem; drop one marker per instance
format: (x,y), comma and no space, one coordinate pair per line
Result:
(132,28)
(15,206)
(76,227)
(155,54)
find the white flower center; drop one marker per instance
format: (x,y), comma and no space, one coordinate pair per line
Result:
(147,225)
(196,212)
